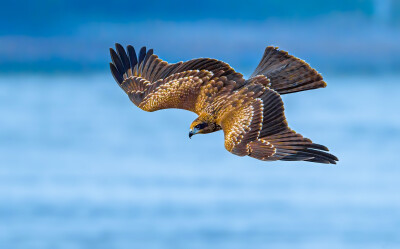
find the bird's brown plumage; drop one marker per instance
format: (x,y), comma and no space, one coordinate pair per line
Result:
(250,112)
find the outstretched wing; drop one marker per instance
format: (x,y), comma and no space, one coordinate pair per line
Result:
(258,128)
(153,84)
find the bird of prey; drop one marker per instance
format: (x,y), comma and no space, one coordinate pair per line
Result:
(249,111)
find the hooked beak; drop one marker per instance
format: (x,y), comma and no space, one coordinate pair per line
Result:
(192,132)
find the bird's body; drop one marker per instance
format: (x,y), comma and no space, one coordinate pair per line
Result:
(250,112)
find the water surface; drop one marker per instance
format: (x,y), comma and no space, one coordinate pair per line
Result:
(82,167)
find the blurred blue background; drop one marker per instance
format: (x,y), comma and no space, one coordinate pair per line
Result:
(82,167)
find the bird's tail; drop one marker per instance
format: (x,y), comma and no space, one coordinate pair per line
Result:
(286,73)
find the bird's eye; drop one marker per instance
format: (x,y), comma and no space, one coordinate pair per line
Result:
(200,126)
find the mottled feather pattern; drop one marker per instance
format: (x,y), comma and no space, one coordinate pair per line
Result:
(261,149)
(250,112)
(177,91)
(259,79)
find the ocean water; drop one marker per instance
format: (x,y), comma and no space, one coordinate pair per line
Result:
(82,167)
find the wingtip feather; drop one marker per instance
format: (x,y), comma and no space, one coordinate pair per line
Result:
(117,76)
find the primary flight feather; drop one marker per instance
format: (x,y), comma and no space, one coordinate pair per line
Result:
(250,112)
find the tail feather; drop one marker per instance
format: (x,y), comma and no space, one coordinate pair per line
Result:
(287,74)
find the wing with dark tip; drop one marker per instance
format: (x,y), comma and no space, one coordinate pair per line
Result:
(153,84)
(256,126)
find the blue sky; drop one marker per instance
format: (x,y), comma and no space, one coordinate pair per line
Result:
(344,37)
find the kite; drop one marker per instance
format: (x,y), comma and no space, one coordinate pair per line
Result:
(249,111)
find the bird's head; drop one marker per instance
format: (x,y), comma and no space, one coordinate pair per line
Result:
(202,125)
